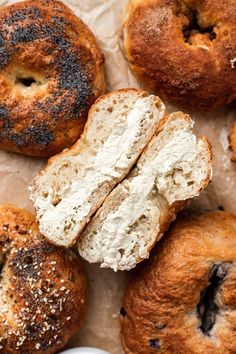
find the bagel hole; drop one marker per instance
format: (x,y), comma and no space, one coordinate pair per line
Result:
(25,81)
(207,308)
(122,312)
(195,28)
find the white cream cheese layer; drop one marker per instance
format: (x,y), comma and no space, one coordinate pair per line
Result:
(116,231)
(108,166)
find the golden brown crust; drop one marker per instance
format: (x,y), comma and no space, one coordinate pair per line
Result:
(44,40)
(183,300)
(232,141)
(194,67)
(42,288)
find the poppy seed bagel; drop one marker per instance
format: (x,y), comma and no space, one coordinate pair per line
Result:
(51,71)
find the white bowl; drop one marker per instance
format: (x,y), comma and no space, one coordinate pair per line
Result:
(84,350)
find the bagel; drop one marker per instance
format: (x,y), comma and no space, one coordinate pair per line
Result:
(76,182)
(42,288)
(174,167)
(184,50)
(51,71)
(183,300)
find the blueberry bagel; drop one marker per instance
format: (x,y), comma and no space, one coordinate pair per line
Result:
(185,50)
(184,300)
(51,71)
(42,288)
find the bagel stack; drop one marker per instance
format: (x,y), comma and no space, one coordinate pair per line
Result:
(42,288)
(51,71)
(183,300)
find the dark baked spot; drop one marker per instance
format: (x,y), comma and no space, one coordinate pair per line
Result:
(207,308)
(28,259)
(39,135)
(33,330)
(28,12)
(60,42)
(59,22)
(154,343)
(22,232)
(5,57)
(14,17)
(2,41)
(5,122)
(221,208)
(25,34)
(122,312)
(3,113)
(21,263)
(71,76)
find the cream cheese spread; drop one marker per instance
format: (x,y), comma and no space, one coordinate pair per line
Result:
(110,163)
(178,153)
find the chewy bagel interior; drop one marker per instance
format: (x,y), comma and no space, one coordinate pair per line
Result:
(174,167)
(76,182)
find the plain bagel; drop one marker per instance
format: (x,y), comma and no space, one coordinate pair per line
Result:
(184,300)
(184,50)
(42,288)
(51,71)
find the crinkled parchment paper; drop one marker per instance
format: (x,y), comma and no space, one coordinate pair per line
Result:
(104,17)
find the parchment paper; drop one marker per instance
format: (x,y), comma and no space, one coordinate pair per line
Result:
(104,17)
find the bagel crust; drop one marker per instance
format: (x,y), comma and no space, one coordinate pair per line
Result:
(184,50)
(42,288)
(183,300)
(51,71)
(232,141)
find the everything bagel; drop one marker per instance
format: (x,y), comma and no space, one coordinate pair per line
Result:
(185,50)
(184,300)
(51,71)
(42,288)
